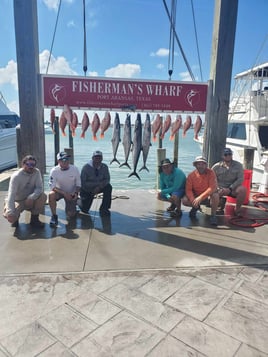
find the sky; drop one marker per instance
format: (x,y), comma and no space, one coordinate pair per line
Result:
(130,39)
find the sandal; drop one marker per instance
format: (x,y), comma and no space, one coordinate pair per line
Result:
(171,207)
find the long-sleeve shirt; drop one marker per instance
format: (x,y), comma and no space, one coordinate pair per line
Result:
(92,177)
(172,182)
(229,176)
(66,180)
(202,185)
(23,185)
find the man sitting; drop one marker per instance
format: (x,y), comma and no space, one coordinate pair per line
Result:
(230,176)
(201,188)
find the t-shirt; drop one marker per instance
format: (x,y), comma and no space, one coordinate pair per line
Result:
(201,184)
(66,180)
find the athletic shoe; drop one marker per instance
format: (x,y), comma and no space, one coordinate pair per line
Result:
(53,221)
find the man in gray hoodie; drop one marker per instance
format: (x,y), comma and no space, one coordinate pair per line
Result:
(95,179)
(25,192)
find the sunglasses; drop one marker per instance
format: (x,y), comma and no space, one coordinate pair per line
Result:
(30,164)
(227,154)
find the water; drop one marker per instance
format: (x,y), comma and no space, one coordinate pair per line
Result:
(83,149)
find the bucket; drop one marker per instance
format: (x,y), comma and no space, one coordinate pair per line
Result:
(247,184)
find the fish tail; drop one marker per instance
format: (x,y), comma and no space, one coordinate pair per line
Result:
(63,133)
(82,135)
(144,167)
(134,173)
(171,138)
(125,164)
(114,160)
(102,135)
(154,138)
(95,137)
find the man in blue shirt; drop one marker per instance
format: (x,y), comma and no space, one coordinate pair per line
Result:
(172,186)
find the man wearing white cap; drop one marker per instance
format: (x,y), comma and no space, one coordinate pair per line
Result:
(230,177)
(95,179)
(201,188)
(64,182)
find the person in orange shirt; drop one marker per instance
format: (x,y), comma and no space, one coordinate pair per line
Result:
(201,188)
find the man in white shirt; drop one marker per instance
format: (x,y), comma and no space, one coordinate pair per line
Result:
(64,182)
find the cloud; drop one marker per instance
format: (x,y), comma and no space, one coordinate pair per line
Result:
(161,52)
(160,66)
(127,70)
(93,74)
(57,65)
(185,76)
(54,4)
(8,74)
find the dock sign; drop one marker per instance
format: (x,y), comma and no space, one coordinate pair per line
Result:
(95,93)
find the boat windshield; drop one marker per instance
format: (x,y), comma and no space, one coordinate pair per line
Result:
(263,135)
(236,131)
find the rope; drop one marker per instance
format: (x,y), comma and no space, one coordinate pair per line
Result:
(85,39)
(53,38)
(196,41)
(260,199)
(171,38)
(122,197)
(178,42)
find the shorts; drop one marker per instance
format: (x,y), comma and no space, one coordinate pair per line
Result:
(179,193)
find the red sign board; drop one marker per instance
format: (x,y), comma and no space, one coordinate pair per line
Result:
(123,94)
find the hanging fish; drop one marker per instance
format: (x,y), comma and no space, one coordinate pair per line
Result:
(156,125)
(127,140)
(74,124)
(137,145)
(175,126)
(197,126)
(116,138)
(62,123)
(187,124)
(52,119)
(105,124)
(85,124)
(68,113)
(95,126)
(146,141)
(165,126)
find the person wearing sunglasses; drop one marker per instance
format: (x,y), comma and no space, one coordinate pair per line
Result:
(230,177)
(95,179)
(25,192)
(64,183)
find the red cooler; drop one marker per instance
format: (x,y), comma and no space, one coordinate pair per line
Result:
(247,184)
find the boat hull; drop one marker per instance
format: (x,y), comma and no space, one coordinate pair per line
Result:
(8,148)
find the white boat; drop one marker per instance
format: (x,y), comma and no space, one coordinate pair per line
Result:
(8,142)
(248,121)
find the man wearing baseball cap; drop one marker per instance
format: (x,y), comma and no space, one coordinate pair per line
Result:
(230,177)
(201,188)
(64,182)
(95,179)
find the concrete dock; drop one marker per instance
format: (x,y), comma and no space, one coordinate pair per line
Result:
(138,283)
